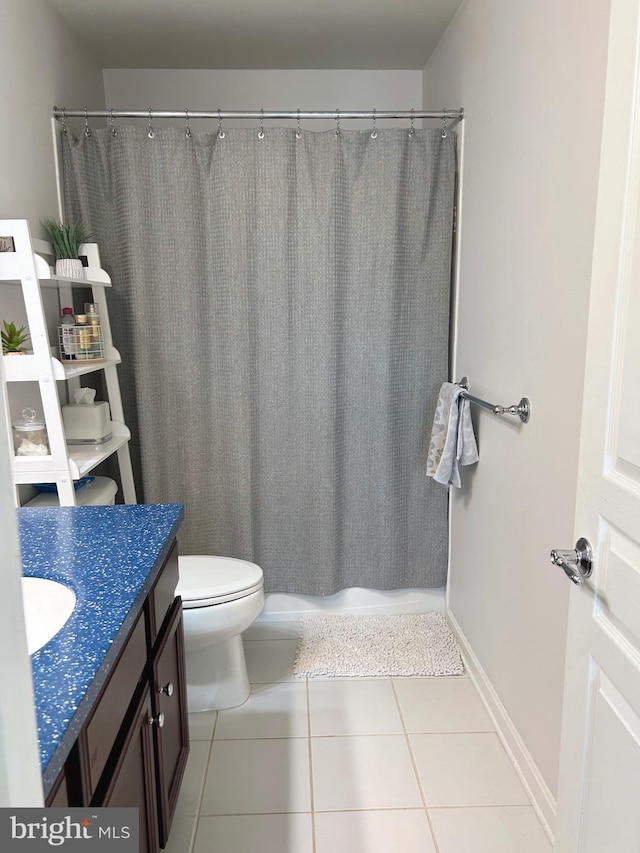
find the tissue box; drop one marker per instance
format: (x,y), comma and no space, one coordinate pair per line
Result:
(87,424)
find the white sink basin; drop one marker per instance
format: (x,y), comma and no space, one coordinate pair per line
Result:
(47,606)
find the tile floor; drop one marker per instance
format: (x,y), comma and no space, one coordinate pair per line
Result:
(349,766)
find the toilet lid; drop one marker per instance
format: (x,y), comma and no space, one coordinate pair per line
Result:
(209,580)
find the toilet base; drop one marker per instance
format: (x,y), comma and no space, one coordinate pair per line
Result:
(217,676)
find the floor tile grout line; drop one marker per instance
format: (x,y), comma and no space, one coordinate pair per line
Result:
(311,789)
(415,770)
(481,806)
(402,732)
(206,772)
(203,785)
(196,826)
(251,814)
(342,735)
(375,809)
(254,738)
(209,737)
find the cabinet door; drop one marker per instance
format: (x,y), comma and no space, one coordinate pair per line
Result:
(133,780)
(170,708)
(103,729)
(162,595)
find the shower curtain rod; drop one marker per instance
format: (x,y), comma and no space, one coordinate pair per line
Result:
(449,115)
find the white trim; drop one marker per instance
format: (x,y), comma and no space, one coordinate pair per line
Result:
(454,330)
(541,797)
(55,137)
(20,779)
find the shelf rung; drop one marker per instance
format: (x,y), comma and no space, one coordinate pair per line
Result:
(93,276)
(84,458)
(22,368)
(73,282)
(28,368)
(69,369)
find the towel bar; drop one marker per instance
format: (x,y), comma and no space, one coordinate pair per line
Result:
(521,409)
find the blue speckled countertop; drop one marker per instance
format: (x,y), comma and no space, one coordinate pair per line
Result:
(110,556)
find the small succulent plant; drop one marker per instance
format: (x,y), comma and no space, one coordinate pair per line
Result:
(65,238)
(13,338)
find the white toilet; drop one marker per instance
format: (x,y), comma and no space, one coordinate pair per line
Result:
(221,597)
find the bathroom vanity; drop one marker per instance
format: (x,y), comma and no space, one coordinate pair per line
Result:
(109,688)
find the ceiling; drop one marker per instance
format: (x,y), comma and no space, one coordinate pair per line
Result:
(318,34)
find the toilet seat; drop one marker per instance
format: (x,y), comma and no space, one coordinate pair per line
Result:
(206,581)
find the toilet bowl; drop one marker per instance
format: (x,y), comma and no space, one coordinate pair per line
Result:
(221,597)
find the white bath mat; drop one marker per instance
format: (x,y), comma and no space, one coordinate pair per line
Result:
(376,646)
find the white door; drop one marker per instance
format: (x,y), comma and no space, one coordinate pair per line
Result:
(599,786)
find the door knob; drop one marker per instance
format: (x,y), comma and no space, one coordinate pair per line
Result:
(157,721)
(577,564)
(168,689)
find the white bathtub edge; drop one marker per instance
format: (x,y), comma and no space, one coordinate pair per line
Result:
(287,607)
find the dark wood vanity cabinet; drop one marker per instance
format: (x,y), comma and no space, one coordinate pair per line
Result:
(132,781)
(133,747)
(171,739)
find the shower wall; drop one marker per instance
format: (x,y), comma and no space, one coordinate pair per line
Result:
(530,76)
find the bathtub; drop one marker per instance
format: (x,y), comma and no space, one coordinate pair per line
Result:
(284,607)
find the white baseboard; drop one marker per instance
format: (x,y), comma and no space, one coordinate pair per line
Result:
(542,799)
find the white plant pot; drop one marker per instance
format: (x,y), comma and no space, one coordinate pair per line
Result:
(70,268)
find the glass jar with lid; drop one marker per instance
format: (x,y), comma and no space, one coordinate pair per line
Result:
(30,435)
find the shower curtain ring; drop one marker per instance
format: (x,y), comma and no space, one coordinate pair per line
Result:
(444,123)
(337,122)
(374,132)
(261,131)
(221,133)
(412,129)
(150,132)
(298,131)
(64,121)
(87,129)
(114,129)
(187,129)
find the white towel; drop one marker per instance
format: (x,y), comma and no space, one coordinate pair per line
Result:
(452,438)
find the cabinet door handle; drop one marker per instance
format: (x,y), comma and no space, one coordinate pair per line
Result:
(168,689)
(157,721)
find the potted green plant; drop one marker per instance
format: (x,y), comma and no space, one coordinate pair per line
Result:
(66,239)
(13,338)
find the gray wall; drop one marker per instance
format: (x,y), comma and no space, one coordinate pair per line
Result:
(530,76)
(254,90)
(40,65)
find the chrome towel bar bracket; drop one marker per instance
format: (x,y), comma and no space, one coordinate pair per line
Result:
(521,409)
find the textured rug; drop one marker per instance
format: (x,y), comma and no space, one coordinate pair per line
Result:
(376,646)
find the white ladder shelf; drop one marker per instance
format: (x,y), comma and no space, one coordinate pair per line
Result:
(25,265)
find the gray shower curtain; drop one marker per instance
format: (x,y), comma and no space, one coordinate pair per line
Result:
(282,310)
